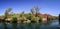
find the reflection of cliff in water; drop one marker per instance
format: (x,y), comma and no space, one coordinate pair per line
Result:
(39,25)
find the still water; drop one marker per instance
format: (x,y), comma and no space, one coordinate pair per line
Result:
(50,25)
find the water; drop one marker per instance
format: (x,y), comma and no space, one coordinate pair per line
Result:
(51,25)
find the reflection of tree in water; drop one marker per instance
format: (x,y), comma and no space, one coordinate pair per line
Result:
(23,25)
(5,17)
(4,24)
(31,25)
(34,25)
(37,26)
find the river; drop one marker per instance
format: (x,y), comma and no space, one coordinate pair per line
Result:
(51,25)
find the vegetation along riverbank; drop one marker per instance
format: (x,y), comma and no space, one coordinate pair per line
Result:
(33,17)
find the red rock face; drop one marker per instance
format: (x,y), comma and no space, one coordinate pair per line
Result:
(44,16)
(44,19)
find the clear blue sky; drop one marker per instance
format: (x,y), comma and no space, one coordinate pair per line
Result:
(46,6)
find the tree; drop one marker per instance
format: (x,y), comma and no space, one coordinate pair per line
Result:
(22,14)
(6,15)
(36,10)
(32,10)
(40,18)
(23,17)
(7,12)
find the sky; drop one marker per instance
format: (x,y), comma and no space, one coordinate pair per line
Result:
(51,7)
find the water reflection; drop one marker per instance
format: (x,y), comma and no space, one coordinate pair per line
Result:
(14,23)
(48,25)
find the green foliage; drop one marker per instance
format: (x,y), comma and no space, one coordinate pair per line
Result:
(23,17)
(36,18)
(40,18)
(27,16)
(1,17)
(22,14)
(32,10)
(31,17)
(5,17)
(37,10)
(9,9)
(13,15)
(7,12)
